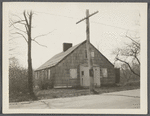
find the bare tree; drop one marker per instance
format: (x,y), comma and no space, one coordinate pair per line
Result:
(129,55)
(125,73)
(26,33)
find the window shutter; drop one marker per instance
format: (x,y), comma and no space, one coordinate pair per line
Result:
(92,54)
(73,73)
(85,53)
(49,73)
(45,74)
(104,72)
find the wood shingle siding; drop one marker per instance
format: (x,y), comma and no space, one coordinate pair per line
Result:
(61,64)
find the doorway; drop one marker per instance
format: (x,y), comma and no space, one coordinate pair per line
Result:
(84,76)
(97,82)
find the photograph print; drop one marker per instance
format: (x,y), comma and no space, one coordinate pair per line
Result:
(74,57)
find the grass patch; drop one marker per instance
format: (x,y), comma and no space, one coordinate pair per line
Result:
(115,88)
(71,92)
(19,97)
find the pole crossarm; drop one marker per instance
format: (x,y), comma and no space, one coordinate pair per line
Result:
(87,17)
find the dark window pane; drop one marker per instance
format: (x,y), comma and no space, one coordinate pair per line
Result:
(85,53)
(82,73)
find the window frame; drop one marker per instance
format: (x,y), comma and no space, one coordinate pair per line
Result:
(86,56)
(82,73)
(104,72)
(49,74)
(93,54)
(71,71)
(45,74)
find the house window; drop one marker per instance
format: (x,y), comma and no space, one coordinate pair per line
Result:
(36,76)
(82,73)
(85,53)
(40,73)
(104,72)
(92,54)
(45,74)
(49,73)
(73,73)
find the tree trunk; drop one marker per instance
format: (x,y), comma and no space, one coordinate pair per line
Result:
(30,71)
(30,80)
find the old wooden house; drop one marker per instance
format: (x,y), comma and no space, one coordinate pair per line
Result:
(69,68)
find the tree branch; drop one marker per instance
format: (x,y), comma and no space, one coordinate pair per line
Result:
(11,49)
(39,43)
(137,59)
(133,40)
(24,13)
(43,35)
(11,39)
(26,29)
(21,35)
(17,22)
(128,66)
(16,16)
(18,28)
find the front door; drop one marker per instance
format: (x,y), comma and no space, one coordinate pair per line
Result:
(84,76)
(97,82)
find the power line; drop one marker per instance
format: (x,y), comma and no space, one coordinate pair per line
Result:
(91,21)
(112,26)
(57,15)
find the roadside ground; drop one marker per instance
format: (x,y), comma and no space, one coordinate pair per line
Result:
(129,99)
(68,92)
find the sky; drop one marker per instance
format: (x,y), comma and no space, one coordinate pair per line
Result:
(107,28)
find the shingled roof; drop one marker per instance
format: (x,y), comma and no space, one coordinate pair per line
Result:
(58,57)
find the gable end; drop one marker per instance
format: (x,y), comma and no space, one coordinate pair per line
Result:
(101,54)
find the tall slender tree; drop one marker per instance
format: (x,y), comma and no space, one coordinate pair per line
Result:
(26,33)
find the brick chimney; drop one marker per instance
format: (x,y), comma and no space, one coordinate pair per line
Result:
(66,46)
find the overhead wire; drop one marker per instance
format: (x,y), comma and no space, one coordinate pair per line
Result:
(112,26)
(57,15)
(91,21)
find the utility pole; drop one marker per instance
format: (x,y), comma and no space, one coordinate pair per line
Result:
(88,47)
